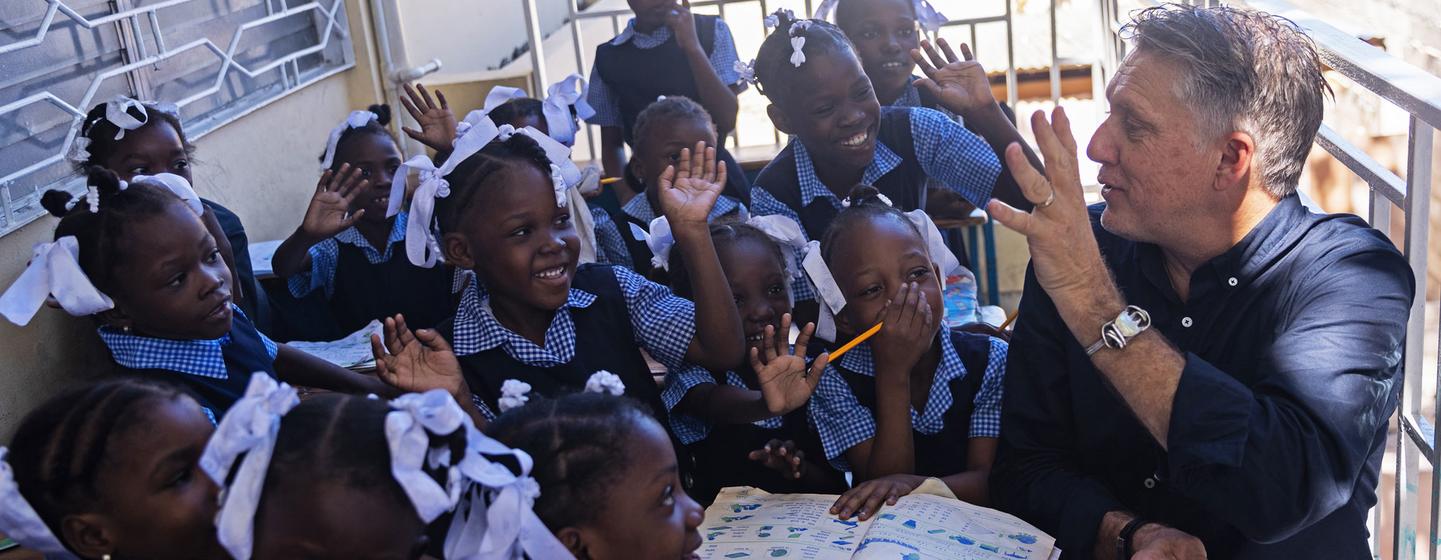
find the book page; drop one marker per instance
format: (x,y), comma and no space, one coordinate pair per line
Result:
(923,526)
(750,523)
(352,352)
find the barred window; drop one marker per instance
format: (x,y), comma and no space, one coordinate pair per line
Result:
(216,59)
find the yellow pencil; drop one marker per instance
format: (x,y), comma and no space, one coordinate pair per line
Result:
(609,180)
(1011,319)
(852,344)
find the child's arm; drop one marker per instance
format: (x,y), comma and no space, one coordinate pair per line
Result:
(962,86)
(971,486)
(909,330)
(415,362)
(298,368)
(437,122)
(715,95)
(328,214)
(688,190)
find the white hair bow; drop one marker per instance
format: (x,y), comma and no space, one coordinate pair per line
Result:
(492,504)
(785,232)
(19,521)
(605,382)
(54,270)
(513,394)
(559,98)
(176,184)
(117,112)
(421,247)
(249,428)
(356,119)
(798,56)
(926,14)
(659,240)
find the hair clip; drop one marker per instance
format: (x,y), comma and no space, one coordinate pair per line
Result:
(54,270)
(356,119)
(747,71)
(798,57)
(846,202)
(514,393)
(605,382)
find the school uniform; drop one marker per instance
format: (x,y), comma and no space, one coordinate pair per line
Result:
(964,402)
(634,69)
(216,370)
(362,283)
(638,213)
(609,315)
(912,147)
(721,450)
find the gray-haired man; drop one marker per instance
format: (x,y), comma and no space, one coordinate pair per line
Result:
(1200,366)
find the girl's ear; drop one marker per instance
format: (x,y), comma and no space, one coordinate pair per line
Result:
(637,166)
(573,541)
(778,118)
(457,250)
(87,534)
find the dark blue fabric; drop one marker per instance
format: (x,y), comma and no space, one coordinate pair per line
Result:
(1293,341)
(245,355)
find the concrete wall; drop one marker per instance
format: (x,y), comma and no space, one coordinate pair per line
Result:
(262,166)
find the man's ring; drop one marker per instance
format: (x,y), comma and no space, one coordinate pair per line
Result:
(1050,199)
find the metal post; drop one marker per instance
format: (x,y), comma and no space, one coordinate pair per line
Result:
(537,54)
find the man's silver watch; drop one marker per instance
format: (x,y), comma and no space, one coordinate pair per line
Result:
(1116,334)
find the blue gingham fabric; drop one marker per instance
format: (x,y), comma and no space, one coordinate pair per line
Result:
(723,59)
(911,97)
(324,257)
(690,429)
(639,208)
(663,324)
(843,422)
(610,247)
(198,357)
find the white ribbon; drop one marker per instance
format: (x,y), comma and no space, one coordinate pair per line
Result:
(605,382)
(249,428)
(925,13)
(746,70)
(500,95)
(940,255)
(828,293)
(513,394)
(559,98)
(421,247)
(416,416)
(356,119)
(54,269)
(19,521)
(659,240)
(785,232)
(774,20)
(798,57)
(176,184)
(117,112)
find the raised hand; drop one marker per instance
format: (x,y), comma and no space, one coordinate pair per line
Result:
(329,211)
(1063,247)
(437,123)
(959,83)
(786,384)
(867,497)
(689,189)
(782,457)
(909,330)
(417,361)
(682,24)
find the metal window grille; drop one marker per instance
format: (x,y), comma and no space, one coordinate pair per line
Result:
(217,60)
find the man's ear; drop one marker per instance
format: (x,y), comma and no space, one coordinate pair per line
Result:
(574,542)
(87,535)
(1237,162)
(779,119)
(457,251)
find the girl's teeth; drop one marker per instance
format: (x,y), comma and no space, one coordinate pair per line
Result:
(855,140)
(552,273)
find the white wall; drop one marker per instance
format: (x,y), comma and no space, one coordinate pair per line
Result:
(469,36)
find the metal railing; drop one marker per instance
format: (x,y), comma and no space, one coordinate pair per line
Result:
(1419,95)
(137,24)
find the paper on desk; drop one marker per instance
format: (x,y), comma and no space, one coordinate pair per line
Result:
(352,352)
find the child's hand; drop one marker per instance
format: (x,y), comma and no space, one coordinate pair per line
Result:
(437,123)
(960,85)
(689,189)
(418,361)
(783,457)
(866,498)
(785,383)
(682,24)
(329,211)
(909,330)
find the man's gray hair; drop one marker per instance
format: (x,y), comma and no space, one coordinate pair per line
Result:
(1243,70)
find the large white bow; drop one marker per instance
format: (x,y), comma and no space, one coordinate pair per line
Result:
(785,232)
(117,111)
(559,98)
(19,521)
(249,428)
(659,240)
(176,184)
(54,269)
(925,14)
(356,119)
(421,247)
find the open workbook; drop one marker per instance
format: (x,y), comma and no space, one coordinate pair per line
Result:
(747,523)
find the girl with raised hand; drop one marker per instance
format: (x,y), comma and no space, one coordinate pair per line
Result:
(136,257)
